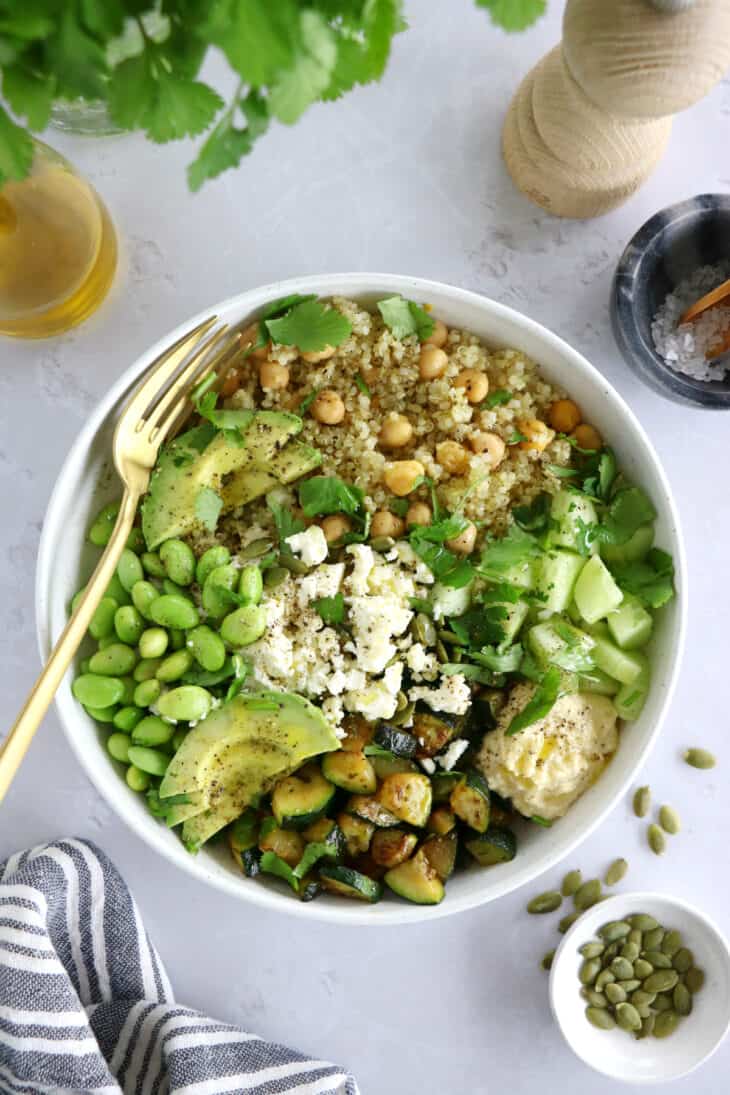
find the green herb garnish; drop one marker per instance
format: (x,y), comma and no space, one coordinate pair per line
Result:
(362,386)
(405,317)
(545,696)
(651,580)
(208,506)
(514,549)
(541,821)
(331,609)
(324,494)
(309,325)
(534,517)
(516,437)
(286,523)
(308,400)
(496,399)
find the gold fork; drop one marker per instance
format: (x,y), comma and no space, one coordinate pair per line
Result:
(155,410)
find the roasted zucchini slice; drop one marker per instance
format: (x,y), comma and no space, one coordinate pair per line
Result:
(357,833)
(358,733)
(351,771)
(300,799)
(389,765)
(390,847)
(470,802)
(441,821)
(416,880)
(408,796)
(285,843)
(251,862)
(368,807)
(440,851)
(434,729)
(319,831)
(401,743)
(443,783)
(480,719)
(350,883)
(494,846)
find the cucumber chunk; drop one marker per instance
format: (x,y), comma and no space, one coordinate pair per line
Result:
(557,642)
(557,576)
(448,601)
(630,700)
(595,680)
(567,510)
(635,548)
(630,625)
(416,880)
(348,882)
(622,665)
(495,846)
(520,574)
(596,593)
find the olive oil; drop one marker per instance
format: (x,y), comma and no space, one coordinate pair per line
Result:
(58,249)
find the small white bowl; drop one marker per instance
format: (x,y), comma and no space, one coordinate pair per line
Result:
(648,1060)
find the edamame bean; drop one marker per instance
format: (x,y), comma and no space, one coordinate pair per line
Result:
(174,666)
(173,610)
(220,578)
(137,780)
(116,590)
(177,638)
(118,747)
(76,600)
(152,564)
(153,642)
(93,690)
(147,692)
(128,624)
(143,595)
(251,584)
(108,640)
(188,703)
(84,666)
(128,694)
(146,669)
(115,660)
(102,714)
(147,760)
(214,557)
(135,541)
(151,731)
(103,523)
(127,718)
(168,586)
(129,569)
(244,625)
(207,648)
(102,622)
(179,737)
(179,562)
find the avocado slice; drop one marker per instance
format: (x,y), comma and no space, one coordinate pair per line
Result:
(239,751)
(290,463)
(206,457)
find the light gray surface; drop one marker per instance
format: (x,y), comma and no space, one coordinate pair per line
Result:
(404,177)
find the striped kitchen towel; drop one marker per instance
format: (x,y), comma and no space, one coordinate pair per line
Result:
(86,1007)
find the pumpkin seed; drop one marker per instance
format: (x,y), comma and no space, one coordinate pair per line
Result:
(647,1026)
(567,922)
(700,758)
(600,1018)
(592,949)
(642,999)
(657,840)
(402,718)
(605,978)
(642,968)
(611,952)
(658,960)
(660,981)
(635,936)
(642,922)
(587,894)
(547,960)
(616,872)
(615,994)
(254,550)
(671,943)
(614,930)
(589,970)
(644,1011)
(441,652)
(296,566)
(424,628)
(545,902)
(662,1002)
(274,576)
(382,543)
(622,968)
(571,883)
(597,999)
(653,939)
(642,801)
(631,985)
(630,951)
(628,1017)
(694,979)
(669,820)
(666,1024)
(683,960)
(682,999)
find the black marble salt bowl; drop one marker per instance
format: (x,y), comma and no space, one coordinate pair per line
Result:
(663,253)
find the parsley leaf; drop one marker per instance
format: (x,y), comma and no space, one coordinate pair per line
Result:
(310,326)
(496,399)
(543,700)
(405,317)
(481,625)
(514,14)
(652,580)
(438,531)
(535,516)
(331,609)
(208,506)
(323,494)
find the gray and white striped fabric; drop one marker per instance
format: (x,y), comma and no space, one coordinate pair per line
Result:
(86,1007)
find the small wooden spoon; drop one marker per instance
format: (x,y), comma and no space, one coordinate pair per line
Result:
(716,296)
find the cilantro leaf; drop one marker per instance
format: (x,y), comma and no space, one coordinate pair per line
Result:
(513,549)
(499,661)
(542,702)
(233,423)
(652,580)
(308,400)
(629,510)
(480,674)
(259,38)
(449,569)
(561,472)
(363,58)
(535,516)
(514,14)
(16,149)
(29,93)
(131,93)
(286,523)
(208,506)
(182,108)
(404,317)
(362,386)
(481,625)
(282,305)
(76,57)
(310,326)
(306,79)
(331,609)
(323,494)
(496,399)
(516,437)
(399,506)
(439,531)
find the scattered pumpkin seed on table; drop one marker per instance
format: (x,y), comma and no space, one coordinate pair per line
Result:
(657,840)
(616,872)
(545,902)
(700,758)
(669,820)
(571,883)
(547,960)
(587,894)
(642,801)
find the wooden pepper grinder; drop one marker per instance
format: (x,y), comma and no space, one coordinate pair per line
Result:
(591,121)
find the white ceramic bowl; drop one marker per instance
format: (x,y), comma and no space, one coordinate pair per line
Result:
(649,1060)
(87,480)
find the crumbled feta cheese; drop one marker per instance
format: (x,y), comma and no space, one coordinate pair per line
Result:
(324,581)
(393,677)
(428,765)
(452,696)
(375,701)
(447,601)
(423,664)
(374,621)
(449,757)
(310,545)
(409,559)
(363,558)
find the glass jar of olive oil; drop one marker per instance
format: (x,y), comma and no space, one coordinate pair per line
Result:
(58,249)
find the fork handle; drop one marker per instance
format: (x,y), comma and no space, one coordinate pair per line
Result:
(23,729)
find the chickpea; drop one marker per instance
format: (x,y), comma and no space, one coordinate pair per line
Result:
(248,337)
(395,432)
(328,408)
(538,434)
(231,383)
(401,476)
(587,437)
(453,457)
(463,544)
(419,513)
(313,357)
(335,526)
(565,415)
(385,523)
(432,362)
(475,384)
(438,336)
(273,377)
(491,443)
